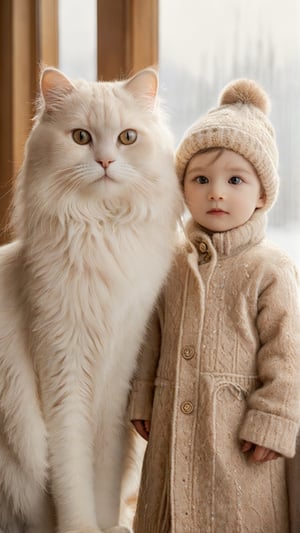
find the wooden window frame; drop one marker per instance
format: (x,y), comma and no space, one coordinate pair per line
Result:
(28,33)
(127,37)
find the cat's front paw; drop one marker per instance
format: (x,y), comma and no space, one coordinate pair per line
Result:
(118,529)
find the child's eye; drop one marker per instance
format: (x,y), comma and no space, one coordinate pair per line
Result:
(201,179)
(235,180)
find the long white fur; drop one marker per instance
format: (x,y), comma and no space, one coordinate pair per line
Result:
(77,286)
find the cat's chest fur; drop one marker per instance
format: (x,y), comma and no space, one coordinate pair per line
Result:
(90,292)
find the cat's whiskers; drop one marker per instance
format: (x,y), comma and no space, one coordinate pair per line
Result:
(143,187)
(60,190)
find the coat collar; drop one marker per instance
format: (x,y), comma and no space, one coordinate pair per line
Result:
(228,242)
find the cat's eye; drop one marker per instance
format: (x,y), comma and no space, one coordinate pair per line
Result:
(81,136)
(128,136)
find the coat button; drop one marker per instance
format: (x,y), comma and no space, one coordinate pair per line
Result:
(188,351)
(203,247)
(187,408)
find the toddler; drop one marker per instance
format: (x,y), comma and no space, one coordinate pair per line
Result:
(217,388)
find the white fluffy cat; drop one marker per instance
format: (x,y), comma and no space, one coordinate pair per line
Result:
(96,205)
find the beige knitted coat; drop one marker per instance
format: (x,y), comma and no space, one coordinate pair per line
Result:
(221,364)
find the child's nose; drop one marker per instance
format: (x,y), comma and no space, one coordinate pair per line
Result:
(216,193)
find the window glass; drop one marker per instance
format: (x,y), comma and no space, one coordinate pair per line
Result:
(204,45)
(78,38)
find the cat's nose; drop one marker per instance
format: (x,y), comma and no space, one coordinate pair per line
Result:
(105,162)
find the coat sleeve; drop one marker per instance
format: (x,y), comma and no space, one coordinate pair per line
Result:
(141,396)
(273,415)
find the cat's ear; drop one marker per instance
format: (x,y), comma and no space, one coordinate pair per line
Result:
(54,87)
(144,85)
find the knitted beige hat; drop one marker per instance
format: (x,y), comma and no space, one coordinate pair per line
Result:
(240,124)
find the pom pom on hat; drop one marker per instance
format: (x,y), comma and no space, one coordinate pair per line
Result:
(240,124)
(245,92)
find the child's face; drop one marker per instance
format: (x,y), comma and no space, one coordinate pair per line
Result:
(221,190)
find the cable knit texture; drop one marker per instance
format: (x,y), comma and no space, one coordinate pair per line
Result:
(220,364)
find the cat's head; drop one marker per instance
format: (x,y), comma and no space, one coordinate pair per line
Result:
(97,146)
